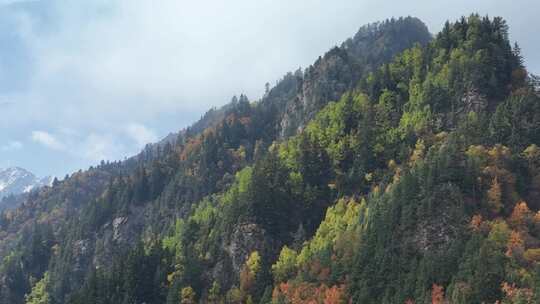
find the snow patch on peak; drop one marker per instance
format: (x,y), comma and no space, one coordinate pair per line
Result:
(16,180)
(28,188)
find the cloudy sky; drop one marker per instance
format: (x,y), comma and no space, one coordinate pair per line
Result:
(82,81)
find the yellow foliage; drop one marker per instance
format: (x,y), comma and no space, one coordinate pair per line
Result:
(254,262)
(532,255)
(499,154)
(187,295)
(285,266)
(418,152)
(532,152)
(39,294)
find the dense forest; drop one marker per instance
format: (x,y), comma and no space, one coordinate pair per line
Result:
(400,167)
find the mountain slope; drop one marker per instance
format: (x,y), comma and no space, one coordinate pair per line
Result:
(371,177)
(95,217)
(451,213)
(342,68)
(299,95)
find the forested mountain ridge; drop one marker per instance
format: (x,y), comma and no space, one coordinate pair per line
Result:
(307,92)
(94,215)
(418,183)
(299,95)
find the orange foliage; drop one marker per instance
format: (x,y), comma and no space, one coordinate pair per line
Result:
(437,294)
(537,217)
(191,146)
(515,294)
(334,295)
(515,244)
(306,293)
(476,223)
(520,214)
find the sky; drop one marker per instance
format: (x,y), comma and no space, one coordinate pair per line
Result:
(82,81)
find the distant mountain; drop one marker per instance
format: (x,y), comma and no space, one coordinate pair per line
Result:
(17,180)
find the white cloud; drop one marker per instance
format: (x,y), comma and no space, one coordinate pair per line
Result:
(97,147)
(141,134)
(91,147)
(12,146)
(47,140)
(86,70)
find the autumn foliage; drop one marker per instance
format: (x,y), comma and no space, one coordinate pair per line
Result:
(437,294)
(306,293)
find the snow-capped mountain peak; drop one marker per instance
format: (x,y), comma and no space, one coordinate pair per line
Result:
(17,180)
